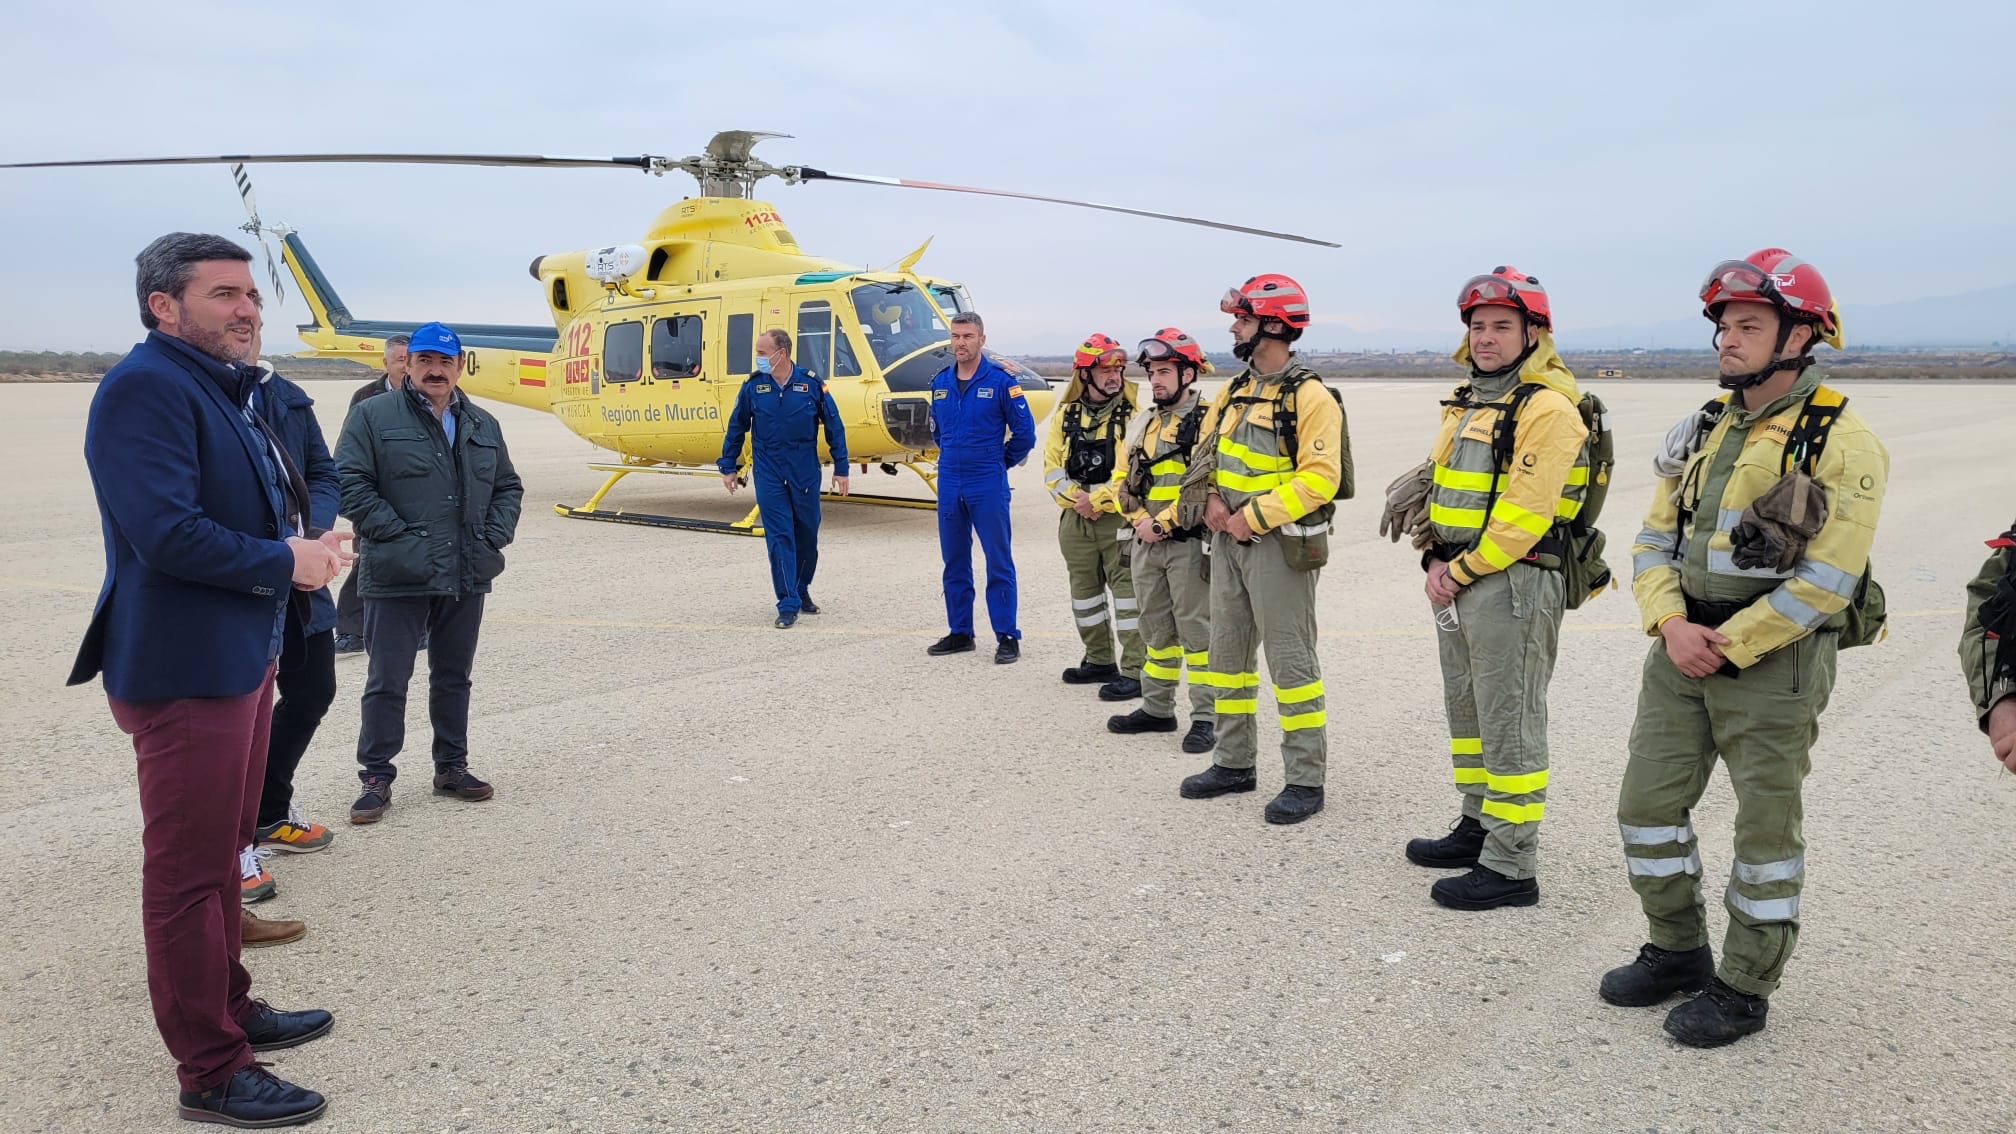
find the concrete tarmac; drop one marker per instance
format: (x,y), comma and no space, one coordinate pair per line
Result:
(742,879)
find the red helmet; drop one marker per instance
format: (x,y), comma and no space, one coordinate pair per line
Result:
(1506,286)
(1094,350)
(1172,343)
(1269,296)
(1776,277)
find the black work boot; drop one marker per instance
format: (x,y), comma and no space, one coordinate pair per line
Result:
(1657,974)
(1721,1015)
(1091,673)
(1140,720)
(1007,651)
(1294,804)
(1120,689)
(950,644)
(1485,889)
(1202,737)
(1453,851)
(1218,780)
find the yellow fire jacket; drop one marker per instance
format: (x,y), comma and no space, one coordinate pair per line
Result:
(1544,483)
(1157,438)
(1274,488)
(1737,462)
(1094,420)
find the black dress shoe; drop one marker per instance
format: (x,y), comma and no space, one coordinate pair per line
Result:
(1202,737)
(1454,851)
(1120,689)
(951,644)
(1485,889)
(806,605)
(1718,1016)
(1091,673)
(269,1029)
(253,1099)
(1140,720)
(1009,650)
(787,621)
(1217,780)
(1657,974)
(1295,803)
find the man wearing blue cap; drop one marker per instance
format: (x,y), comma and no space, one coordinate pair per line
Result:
(781,409)
(429,486)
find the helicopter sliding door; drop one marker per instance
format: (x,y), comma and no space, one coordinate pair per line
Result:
(681,373)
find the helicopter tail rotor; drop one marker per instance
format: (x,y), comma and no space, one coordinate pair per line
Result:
(254,227)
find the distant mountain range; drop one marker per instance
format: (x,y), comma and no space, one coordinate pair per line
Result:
(1971,319)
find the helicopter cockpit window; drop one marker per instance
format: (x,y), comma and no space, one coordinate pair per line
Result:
(822,347)
(898,318)
(675,347)
(951,300)
(623,352)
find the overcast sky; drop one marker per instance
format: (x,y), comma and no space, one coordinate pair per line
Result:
(1613,150)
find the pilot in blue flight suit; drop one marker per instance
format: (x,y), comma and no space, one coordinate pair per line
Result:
(785,415)
(983,427)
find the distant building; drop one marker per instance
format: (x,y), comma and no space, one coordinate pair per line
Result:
(1609,372)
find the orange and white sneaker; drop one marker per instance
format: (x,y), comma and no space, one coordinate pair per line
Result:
(295,835)
(255,884)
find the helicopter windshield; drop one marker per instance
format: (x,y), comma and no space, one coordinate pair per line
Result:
(951,300)
(898,319)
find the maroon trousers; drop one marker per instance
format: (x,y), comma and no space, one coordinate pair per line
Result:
(202,764)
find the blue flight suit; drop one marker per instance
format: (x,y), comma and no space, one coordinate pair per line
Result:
(981,431)
(784,418)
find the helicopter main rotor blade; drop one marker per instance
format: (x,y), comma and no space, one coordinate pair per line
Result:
(645,162)
(807,173)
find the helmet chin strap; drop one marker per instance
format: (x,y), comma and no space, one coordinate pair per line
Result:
(1244,351)
(1758,378)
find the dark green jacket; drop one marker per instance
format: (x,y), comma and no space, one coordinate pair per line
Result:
(431,518)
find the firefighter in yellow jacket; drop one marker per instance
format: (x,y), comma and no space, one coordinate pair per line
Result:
(1280,456)
(1745,660)
(1170,576)
(1495,584)
(1988,647)
(1081,468)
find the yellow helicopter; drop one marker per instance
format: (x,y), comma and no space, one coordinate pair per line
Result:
(651,341)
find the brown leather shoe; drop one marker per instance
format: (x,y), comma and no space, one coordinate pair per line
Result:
(255,931)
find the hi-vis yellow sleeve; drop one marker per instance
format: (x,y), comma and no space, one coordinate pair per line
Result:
(1319,439)
(1055,449)
(1854,470)
(1546,443)
(1655,566)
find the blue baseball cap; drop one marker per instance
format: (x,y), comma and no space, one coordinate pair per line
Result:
(434,337)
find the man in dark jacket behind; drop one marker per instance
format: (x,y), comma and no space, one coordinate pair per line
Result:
(349,604)
(429,487)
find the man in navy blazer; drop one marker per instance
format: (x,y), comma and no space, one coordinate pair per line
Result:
(207,541)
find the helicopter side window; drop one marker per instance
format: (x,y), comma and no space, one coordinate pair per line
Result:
(623,352)
(815,338)
(675,346)
(741,343)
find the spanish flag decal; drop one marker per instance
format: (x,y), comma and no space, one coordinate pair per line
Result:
(531,372)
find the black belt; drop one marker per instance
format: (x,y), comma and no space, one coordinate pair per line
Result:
(1710,614)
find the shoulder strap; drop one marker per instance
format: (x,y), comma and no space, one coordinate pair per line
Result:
(1503,431)
(1809,436)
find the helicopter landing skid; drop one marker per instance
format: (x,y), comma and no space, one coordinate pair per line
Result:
(749,525)
(746,526)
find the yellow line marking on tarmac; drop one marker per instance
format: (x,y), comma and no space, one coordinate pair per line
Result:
(629,624)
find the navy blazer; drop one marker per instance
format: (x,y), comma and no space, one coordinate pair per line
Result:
(196,564)
(291,413)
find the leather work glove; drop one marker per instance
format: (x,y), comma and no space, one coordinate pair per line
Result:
(1133,491)
(1198,480)
(1671,457)
(1407,504)
(1776,526)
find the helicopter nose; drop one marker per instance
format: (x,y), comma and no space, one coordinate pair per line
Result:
(536,261)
